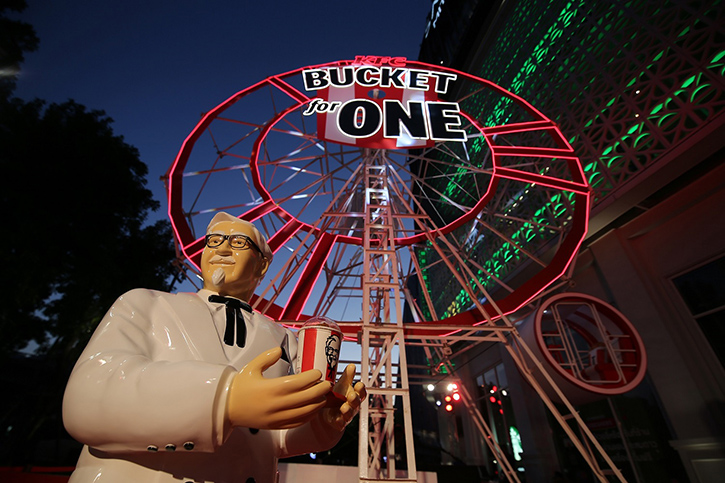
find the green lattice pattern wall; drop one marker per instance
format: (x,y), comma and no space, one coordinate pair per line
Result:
(626,81)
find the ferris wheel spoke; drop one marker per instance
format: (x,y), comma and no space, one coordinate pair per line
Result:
(540,179)
(321,180)
(411,205)
(288,161)
(491,276)
(455,177)
(284,234)
(426,187)
(256,127)
(546,226)
(192,214)
(518,127)
(289,89)
(308,277)
(293,173)
(440,166)
(236,167)
(478,90)
(259,211)
(290,164)
(338,271)
(304,144)
(304,192)
(450,181)
(194,248)
(432,156)
(344,274)
(448,253)
(511,242)
(227,150)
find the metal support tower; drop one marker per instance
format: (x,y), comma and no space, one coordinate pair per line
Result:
(382,339)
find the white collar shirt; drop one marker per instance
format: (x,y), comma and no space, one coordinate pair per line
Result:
(219,315)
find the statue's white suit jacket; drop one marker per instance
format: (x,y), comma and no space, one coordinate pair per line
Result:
(147,397)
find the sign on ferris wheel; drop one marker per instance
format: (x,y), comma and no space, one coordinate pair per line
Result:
(383,106)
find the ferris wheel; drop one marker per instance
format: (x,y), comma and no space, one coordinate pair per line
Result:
(479,177)
(378,180)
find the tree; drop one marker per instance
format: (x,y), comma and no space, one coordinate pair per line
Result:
(75,238)
(76,204)
(15,39)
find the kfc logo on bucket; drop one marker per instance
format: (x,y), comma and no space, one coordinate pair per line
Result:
(319,343)
(377,103)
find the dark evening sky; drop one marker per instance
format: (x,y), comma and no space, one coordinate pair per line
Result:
(155,66)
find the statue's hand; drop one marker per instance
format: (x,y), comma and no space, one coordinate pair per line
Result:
(277,403)
(339,417)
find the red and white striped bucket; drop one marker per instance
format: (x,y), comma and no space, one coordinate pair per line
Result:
(319,343)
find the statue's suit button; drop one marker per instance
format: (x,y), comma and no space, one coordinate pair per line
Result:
(188,446)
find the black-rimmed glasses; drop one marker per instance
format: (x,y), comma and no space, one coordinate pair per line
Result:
(236,241)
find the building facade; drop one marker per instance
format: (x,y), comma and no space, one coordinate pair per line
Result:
(638,89)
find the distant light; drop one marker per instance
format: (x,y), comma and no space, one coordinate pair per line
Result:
(504,393)
(515,439)
(456,396)
(449,407)
(492,399)
(438,403)
(313,456)
(452,386)
(431,387)
(448,398)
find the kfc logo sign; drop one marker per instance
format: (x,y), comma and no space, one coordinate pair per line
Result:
(378,103)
